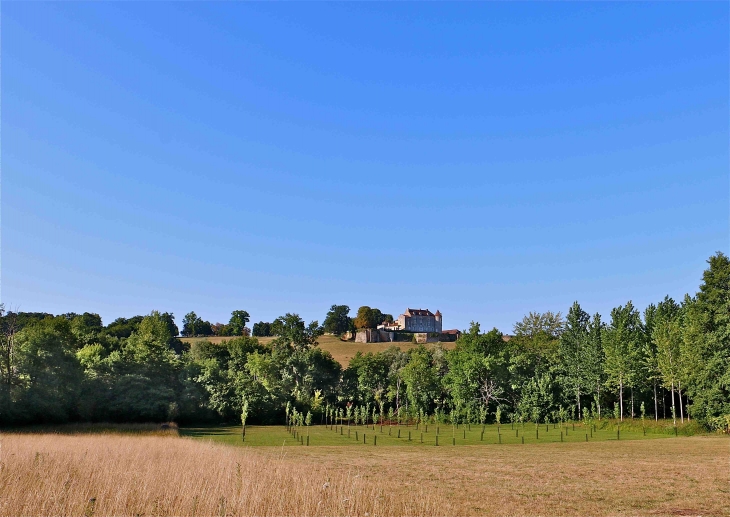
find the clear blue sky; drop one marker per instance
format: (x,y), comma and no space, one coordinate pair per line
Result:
(482,159)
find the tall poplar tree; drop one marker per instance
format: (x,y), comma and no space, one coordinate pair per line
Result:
(594,359)
(622,340)
(650,359)
(573,341)
(666,337)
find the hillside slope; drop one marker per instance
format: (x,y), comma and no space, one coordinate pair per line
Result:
(342,351)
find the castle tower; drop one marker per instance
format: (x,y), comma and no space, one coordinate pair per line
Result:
(437,316)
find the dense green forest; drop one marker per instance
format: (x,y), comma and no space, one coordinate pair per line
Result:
(671,360)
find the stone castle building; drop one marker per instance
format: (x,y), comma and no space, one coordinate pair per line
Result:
(425,326)
(420,320)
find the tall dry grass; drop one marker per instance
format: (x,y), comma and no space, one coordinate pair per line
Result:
(57,474)
(92,474)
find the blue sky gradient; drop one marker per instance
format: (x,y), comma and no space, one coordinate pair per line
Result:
(482,159)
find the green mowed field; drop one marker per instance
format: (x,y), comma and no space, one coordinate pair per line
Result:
(423,436)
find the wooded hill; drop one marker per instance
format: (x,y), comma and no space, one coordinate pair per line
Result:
(672,359)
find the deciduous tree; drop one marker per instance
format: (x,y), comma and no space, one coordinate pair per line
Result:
(706,343)
(237,323)
(368,318)
(338,320)
(594,359)
(573,342)
(622,343)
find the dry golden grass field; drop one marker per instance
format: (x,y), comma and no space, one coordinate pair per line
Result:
(342,351)
(114,474)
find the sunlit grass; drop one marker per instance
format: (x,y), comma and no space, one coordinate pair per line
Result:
(132,474)
(106,474)
(426,435)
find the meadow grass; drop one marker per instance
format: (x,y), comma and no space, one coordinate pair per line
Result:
(123,474)
(106,474)
(682,476)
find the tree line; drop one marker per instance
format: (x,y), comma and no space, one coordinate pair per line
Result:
(671,360)
(336,322)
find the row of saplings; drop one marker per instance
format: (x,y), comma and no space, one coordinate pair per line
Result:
(339,419)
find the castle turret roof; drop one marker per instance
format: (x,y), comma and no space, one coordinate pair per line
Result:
(418,312)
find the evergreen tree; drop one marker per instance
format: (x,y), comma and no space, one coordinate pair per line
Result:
(706,343)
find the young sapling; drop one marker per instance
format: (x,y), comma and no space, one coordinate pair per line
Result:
(244,416)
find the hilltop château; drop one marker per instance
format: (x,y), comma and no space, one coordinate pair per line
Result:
(415,320)
(419,325)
